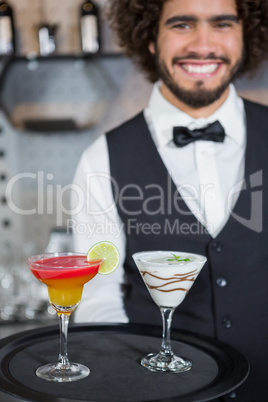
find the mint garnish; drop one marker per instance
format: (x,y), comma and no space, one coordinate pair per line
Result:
(177,258)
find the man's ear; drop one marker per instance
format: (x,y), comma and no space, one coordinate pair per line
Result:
(151,47)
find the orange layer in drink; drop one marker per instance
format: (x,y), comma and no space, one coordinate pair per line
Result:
(65,277)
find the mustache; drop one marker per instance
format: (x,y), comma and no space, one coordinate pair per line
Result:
(195,56)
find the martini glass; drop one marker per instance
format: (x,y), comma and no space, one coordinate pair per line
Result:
(65,275)
(168,276)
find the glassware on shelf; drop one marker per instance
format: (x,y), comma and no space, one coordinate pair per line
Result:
(22,298)
(47,39)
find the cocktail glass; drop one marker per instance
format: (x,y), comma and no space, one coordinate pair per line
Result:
(65,275)
(168,276)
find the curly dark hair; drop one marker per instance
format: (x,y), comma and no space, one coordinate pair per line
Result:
(135,23)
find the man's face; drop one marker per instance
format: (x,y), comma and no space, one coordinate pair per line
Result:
(199,49)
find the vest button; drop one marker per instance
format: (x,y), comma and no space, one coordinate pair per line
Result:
(221,282)
(232,395)
(227,322)
(216,246)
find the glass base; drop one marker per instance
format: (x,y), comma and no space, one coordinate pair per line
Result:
(159,362)
(62,373)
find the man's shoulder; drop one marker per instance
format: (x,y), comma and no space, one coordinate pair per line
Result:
(128,125)
(255,107)
(257,126)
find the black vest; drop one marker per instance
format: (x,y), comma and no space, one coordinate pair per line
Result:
(229,300)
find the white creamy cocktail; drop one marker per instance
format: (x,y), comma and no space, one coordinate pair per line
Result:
(168,276)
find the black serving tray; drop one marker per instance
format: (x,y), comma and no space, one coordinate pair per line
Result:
(113,353)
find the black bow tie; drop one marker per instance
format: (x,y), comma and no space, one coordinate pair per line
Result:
(213,132)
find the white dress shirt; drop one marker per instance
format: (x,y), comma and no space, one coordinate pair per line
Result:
(204,172)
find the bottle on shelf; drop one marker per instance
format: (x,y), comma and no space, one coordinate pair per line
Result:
(7,31)
(90,28)
(47,43)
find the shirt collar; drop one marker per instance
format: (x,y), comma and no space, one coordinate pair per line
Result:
(163,116)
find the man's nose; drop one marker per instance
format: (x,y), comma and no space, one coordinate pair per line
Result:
(203,42)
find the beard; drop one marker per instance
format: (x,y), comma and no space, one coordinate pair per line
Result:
(199,96)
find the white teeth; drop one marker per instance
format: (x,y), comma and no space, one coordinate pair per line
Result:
(205,69)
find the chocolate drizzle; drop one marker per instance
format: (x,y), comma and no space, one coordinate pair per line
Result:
(189,276)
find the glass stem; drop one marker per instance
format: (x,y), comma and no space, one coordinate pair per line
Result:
(63,355)
(166,313)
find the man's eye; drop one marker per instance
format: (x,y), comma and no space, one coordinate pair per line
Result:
(223,25)
(182,26)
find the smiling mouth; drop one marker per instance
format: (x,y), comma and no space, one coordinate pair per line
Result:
(208,68)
